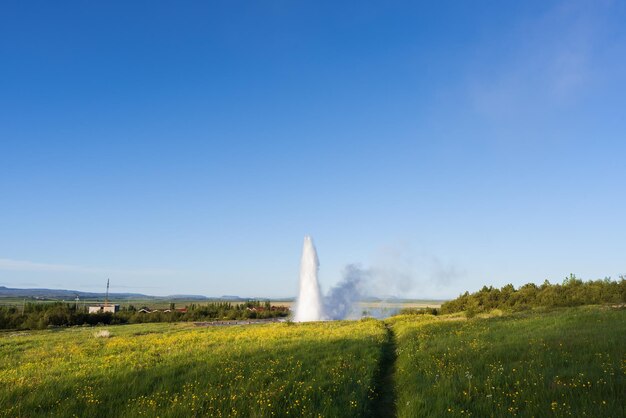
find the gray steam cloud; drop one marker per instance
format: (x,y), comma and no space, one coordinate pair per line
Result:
(394,276)
(342,299)
(358,283)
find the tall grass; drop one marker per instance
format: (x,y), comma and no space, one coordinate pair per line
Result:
(569,362)
(321,369)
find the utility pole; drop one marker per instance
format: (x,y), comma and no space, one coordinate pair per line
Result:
(106,297)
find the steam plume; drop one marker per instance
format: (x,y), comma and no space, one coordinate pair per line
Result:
(309,306)
(343,298)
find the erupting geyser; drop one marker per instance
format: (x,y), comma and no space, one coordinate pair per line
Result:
(309,306)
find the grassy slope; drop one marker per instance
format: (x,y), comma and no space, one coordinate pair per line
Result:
(176,370)
(569,362)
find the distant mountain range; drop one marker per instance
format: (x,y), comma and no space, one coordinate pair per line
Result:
(63,294)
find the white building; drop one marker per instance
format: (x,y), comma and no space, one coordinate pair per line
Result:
(104,308)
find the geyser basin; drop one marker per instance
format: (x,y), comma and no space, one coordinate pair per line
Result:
(309,306)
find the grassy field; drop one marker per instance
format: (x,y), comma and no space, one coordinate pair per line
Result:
(569,362)
(566,362)
(324,369)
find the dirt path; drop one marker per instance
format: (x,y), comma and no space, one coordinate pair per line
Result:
(385,403)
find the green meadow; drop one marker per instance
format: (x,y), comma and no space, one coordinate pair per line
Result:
(325,369)
(567,362)
(563,362)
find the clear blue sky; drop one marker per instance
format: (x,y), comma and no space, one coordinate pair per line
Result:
(187,147)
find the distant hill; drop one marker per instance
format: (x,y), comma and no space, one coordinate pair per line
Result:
(232,298)
(64,294)
(183,297)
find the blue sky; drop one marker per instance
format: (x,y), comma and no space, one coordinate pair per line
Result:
(187,147)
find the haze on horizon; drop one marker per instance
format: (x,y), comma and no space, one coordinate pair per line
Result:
(187,149)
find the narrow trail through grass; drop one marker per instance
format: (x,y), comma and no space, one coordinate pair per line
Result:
(385,404)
